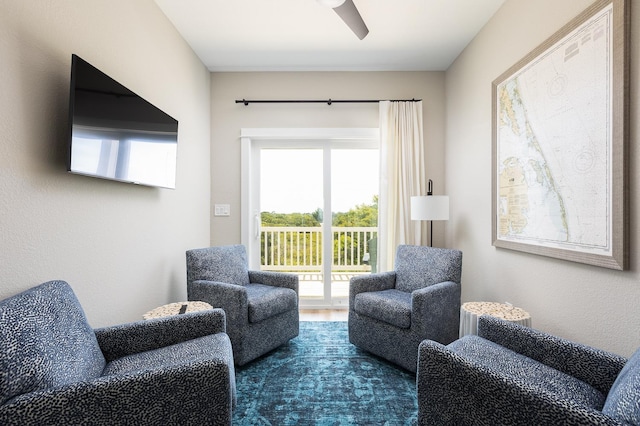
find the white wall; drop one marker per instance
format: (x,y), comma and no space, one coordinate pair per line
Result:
(227,118)
(588,304)
(120,246)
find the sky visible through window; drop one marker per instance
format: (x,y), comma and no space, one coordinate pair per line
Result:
(291,179)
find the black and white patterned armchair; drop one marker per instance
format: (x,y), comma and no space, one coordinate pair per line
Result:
(56,370)
(390,313)
(510,374)
(261,306)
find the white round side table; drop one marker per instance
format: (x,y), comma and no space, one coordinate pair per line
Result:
(177,309)
(470,311)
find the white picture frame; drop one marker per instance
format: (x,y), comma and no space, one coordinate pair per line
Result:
(559,141)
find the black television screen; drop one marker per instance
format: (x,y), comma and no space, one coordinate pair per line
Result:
(115,134)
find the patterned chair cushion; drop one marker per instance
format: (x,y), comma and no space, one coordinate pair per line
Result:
(623,401)
(525,370)
(266,301)
(418,267)
(46,341)
(172,356)
(227,264)
(391,306)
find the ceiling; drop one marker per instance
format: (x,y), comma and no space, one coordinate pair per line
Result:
(302,35)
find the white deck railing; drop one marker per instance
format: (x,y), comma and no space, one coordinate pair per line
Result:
(299,249)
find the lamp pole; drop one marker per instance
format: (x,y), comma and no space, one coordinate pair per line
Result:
(430,193)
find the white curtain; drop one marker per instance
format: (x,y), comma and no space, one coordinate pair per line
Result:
(402,174)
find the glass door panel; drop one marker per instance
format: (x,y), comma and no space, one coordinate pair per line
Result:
(291,206)
(354,201)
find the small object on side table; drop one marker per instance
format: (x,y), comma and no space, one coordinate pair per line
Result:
(177,309)
(470,311)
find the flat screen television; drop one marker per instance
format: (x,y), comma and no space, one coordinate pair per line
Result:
(117,135)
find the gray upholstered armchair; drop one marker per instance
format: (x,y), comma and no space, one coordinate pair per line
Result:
(510,374)
(57,370)
(390,313)
(261,306)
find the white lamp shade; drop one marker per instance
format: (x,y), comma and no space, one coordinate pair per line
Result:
(430,207)
(331,3)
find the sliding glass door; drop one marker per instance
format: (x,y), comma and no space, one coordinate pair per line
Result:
(315,213)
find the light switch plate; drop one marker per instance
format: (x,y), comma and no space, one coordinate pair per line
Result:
(222,210)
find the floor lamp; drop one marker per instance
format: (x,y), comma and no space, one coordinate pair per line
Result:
(430,207)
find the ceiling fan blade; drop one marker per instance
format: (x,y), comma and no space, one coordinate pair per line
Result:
(350,15)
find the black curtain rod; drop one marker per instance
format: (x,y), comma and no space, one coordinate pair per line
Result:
(320,101)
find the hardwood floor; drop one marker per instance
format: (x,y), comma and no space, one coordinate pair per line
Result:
(323,314)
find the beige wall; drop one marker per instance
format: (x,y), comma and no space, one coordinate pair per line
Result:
(120,246)
(592,305)
(227,118)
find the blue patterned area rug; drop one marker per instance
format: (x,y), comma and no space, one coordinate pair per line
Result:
(319,378)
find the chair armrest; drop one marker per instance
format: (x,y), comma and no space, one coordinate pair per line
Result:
(276,279)
(455,390)
(435,311)
(371,282)
(160,396)
(231,298)
(140,336)
(591,365)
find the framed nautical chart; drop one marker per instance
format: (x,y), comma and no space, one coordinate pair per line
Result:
(559,140)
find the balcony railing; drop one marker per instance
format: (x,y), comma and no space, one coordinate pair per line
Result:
(299,249)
